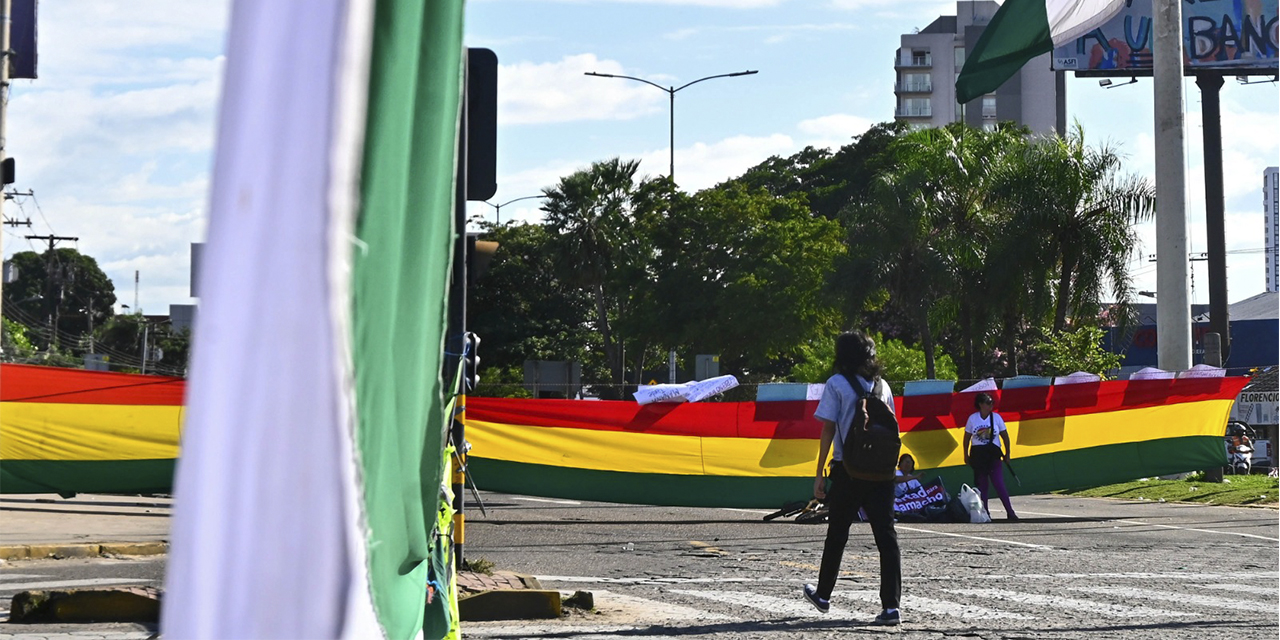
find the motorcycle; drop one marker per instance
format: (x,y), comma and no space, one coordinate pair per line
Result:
(1239,442)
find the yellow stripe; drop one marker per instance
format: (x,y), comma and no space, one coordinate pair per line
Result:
(759,457)
(50,431)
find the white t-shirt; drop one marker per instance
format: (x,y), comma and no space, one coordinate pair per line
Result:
(838,405)
(985,430)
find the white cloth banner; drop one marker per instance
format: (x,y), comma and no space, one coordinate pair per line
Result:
(266,534)
(687,392)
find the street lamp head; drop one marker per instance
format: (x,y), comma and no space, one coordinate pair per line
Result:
(743,73)
(600,75)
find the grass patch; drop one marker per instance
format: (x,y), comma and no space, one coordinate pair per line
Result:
(479,565)
(1234,490)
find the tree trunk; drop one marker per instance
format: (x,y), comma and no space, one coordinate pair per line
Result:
(926,336)
(1011,338)
(611,351)
(1064,294)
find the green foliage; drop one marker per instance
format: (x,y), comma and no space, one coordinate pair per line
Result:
(969,245)
(1080,349)
(62,288)
(16,344)
(902,363)
(741,275)
(523,310)
(121,339)
(504,382)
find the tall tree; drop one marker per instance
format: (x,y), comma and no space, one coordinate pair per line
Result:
(522,309)
(60,294)
(593,214)
(918,242)
(740,273)
(1073,200)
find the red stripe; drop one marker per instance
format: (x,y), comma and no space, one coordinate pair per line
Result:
(27,383)
(794,419)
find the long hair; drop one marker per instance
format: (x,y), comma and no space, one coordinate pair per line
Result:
(856,355)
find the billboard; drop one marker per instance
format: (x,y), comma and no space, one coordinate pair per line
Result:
(1234,36)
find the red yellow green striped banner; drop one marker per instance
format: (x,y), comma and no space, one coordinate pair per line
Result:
(760,454)
(68,431)
(73,431)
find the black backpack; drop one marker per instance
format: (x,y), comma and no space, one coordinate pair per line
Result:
(871,448)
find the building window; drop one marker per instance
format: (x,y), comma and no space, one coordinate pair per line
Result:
(915,108)
(918,82)
(959,58)
(988,106)
(921,58)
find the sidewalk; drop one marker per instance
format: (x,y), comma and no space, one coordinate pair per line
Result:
(87,525)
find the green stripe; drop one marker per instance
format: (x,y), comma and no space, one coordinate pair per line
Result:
(1018,32)
(1064,470)
(86,476)
(399,288)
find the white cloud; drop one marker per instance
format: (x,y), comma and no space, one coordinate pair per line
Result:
(115,136)
(533,93)
(775,33)
(835,130)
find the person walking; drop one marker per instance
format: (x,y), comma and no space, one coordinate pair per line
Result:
(983,435)
(857,377)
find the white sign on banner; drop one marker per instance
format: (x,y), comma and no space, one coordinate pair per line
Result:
(687,392)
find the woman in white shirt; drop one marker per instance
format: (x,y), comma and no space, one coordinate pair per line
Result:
(983,435)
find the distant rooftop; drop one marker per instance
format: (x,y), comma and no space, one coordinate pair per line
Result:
(944,24)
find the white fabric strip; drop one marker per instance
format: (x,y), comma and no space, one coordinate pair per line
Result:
(262,542)
(351,98)
(1070,19)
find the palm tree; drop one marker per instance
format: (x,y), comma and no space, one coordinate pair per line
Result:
(1071,202)
(592,214)
(922,235)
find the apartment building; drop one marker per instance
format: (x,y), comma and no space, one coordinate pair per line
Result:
(927,63)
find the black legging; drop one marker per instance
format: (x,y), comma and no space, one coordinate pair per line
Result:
(844,498)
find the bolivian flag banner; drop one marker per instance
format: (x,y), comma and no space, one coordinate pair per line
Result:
(306,492)
(763,454)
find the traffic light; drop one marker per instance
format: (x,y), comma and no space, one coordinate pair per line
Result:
(470,361)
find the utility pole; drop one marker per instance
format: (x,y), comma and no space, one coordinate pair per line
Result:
(1173,308)
(48,278)
(5,21)
(1214,210)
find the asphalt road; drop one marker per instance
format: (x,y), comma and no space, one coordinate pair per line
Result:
(1071,568)
(76,573)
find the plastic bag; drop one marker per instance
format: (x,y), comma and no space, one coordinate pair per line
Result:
(972,502)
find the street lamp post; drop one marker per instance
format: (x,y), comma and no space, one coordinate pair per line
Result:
(497,208)
(671,91)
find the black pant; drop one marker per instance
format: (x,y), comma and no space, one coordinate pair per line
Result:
(844,498)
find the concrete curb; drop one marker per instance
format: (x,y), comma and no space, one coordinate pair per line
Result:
(510,604)
(81,550)
(116,604)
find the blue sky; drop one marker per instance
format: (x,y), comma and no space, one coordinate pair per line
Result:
(116,136)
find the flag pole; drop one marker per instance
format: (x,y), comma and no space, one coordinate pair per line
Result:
(1173,306)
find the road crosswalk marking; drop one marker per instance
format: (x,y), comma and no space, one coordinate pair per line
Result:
(56,584)
(1243,588)
(788,607)
(961,535)
(1183,598)
(1057,602)
(941,607)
